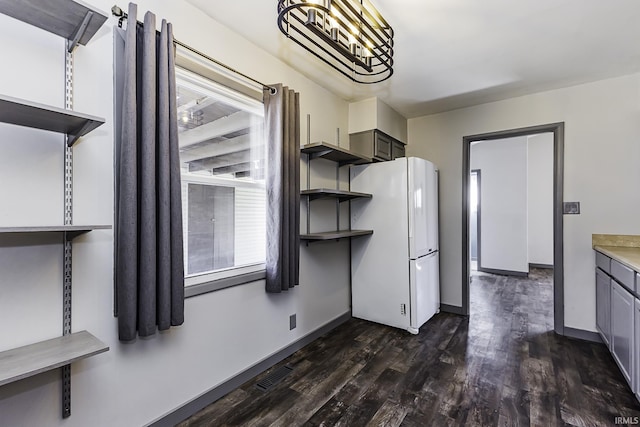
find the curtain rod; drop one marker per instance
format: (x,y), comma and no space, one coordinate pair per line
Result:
(118,12)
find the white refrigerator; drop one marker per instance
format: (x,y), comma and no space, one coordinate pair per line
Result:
(395,271)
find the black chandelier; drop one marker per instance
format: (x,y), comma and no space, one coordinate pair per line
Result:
(349,35)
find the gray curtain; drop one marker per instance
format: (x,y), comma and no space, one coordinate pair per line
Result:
(282,127)
(149,252)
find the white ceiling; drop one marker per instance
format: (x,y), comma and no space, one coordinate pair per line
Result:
(456,53)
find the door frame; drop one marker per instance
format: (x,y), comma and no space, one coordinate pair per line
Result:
(558,184)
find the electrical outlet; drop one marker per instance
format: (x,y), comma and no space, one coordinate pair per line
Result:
(292,322)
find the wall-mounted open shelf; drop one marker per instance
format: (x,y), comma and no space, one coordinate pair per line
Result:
(341,195)
(33,359)
(342,157)
(76,22)
(39,116)
(72,231)
(334,235)
(72,20)
(324,150)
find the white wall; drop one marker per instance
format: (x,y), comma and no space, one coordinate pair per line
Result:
(540,198)
(373,113)
(391,122)
(503,198)
(363,115)
(602,130)
(224,332)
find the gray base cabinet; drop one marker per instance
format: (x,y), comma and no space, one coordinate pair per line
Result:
(618,315)
(622,329)
(603,306)
(636,350)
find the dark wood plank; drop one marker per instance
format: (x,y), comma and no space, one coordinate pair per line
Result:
(502,366)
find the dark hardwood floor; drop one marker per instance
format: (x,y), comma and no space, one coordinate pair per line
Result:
(501,366)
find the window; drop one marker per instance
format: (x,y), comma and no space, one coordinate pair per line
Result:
(222,156)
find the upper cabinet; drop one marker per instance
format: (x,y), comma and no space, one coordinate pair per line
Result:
(377,145)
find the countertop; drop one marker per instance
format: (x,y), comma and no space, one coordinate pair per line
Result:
(629,256)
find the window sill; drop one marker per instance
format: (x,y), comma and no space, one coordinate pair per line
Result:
(227,282)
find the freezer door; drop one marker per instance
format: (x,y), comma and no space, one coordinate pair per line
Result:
(425,288)
(419,176)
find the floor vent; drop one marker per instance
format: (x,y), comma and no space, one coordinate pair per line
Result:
(274,378)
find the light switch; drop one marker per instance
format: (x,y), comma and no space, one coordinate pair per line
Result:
(571,208)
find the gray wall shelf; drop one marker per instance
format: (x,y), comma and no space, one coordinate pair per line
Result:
(33,359)
(334,235)
(341,195)
(39,116)
(72,20)
(72,231)
(324,150)
(77,23)
(342,157)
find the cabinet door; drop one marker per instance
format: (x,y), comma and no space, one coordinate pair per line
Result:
(603,306)
(636,351)
(382,146)
(397,150)
(622,335)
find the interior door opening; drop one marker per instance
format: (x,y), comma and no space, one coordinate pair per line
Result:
(498,241)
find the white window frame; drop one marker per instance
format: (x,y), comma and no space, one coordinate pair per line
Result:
(199,283)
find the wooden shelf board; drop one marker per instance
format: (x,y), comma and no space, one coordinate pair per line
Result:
(324,150)
(333,235)
(60,17)
(72,231)
(24,362)
(325,193)
(39,116)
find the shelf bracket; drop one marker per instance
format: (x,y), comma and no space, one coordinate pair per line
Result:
(73,41)
(75,135)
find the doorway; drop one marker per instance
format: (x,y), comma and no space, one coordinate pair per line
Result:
(557,129)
